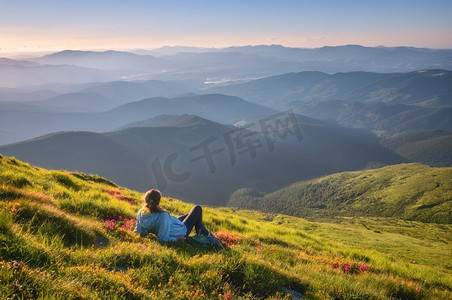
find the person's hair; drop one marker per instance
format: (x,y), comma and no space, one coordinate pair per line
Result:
(152,200)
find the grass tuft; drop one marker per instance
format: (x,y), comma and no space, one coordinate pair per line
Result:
(14,179)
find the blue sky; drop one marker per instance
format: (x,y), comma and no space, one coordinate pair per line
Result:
(27,25)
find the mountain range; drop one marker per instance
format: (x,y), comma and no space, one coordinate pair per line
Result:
(106,60)
(17,125)
(214,65)
(385,103)
(22,74)
(345,58)
(206,161)
(384,119)
(429,88)
(388,104)
(201,123)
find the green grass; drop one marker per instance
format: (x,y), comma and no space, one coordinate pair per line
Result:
(408,191)
(55,244)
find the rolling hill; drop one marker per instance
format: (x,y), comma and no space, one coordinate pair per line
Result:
(174,121)
(216,107)
(206,162)
(406,191)
(431,147)
(76,102)
(109,60)
(217,65)
(128,91)
(92,97)
(18,125)
(238,63)
(267,60)
(69,235)
(384,119)
(348,58)
(25,74)
(387,103)
(392,88)
(18,95)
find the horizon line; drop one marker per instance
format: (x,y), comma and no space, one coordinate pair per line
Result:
(131,49)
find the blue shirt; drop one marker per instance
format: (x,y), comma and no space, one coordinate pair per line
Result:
(162,224)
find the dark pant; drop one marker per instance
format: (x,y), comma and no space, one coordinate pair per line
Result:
(194,218)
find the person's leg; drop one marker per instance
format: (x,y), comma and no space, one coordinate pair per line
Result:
(194,219)
(182,218)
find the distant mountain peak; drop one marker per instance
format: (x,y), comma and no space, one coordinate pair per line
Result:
(171,120)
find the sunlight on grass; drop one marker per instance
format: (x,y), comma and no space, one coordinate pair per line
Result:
(58,240)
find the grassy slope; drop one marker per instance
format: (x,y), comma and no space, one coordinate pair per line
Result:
(54,243)
(407,191)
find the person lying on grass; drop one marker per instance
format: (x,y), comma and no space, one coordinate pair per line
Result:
(153,219)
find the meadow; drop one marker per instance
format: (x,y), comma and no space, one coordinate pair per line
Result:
(69,235)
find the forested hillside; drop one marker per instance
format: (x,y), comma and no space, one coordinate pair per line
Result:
(405,191)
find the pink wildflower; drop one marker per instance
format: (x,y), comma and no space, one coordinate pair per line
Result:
(364,268)
(227,295)
(346,267)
